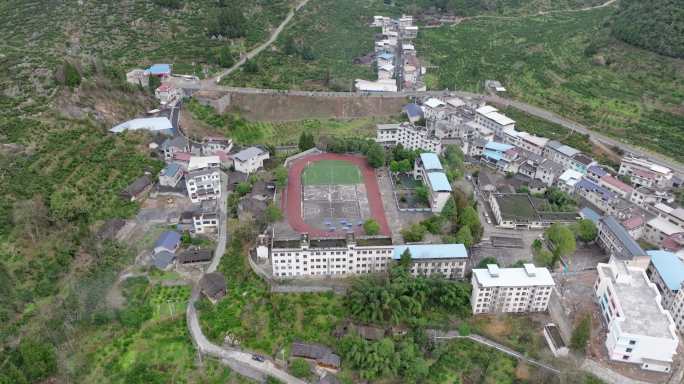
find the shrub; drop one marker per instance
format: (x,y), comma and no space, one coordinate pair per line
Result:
(371,227)
(300,368)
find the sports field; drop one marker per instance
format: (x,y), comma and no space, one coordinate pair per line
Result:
(331,172)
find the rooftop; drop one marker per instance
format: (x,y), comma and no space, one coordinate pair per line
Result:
(439,182)
(430,161)
(499,118)
(199,162)
(168,240)
(670,268)
(513,277)
(664,226)
(413,110)
(570,176)
(633,223)
(623,236)
(567,151)
(499,147)
(639,302)
(432,251)
(597,170)
(249,153)
(486,109)
(153,124)
(159,69)
(590,214)
(171,169)
(434,103)
(582,159)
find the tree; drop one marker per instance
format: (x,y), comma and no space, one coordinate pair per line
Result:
(72,78)
(394,166)
(463,236)
(38,359)
(544,257)
(308,54)
(243,188)
(487,260)
(450,211)
(153,83)
(404,166)
(581,334)
(229,22)
(371,227)
(300,368)
(586,230)
(405,259)
(225,57)
(469,217)
(423,194)
(376,155)
(433,224)
(306,141)
(414,233)
(280,175)
(562,240)
(251,66)
(272,213)
(290,47)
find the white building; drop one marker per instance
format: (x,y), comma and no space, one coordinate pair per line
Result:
(409,136)
(646,173)
(388,85)
(250,160)
(429,169)
(660,228)
(497,290)
(639,330)
(174,145)
(447,260)
(213,144)
(167,93)
(666,271)
(560,153)
(568,180)
(202,162)
(203,184)
(524,140)
(204,221)
(490,118)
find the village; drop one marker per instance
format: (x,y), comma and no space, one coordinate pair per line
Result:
(327,214)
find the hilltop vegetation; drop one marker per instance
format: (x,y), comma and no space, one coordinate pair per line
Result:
(656,25)
(492,7)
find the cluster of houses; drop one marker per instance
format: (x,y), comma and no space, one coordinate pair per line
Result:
(398,67)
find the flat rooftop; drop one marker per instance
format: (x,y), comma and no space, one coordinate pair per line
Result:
(528,276)
(643,315)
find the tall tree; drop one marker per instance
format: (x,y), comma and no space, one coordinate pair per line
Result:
(376,155)
(562,240)
(464,236)
(586,230)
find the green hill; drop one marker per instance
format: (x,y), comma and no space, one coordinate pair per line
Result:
(656,25)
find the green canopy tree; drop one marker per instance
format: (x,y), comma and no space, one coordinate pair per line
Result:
(376,155)
(464,236)
(371,227)
(586,230)
(562,240)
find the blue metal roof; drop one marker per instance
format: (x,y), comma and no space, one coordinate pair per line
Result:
(413,110)
(591,186)
(670,267)
(430,161)
(499,147)
(171,169)
(386,56)
(439,182)
(162,259)
(494,155)
(168,240)
(598,170)
(159,69)
(623,236)
(432,251)
(590,214)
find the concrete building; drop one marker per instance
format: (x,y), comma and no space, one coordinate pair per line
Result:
(213,144)
(170,175)
(616,186)
(646,173)
(597,195)
(502,290)
(560,153)
(204,162)
(489,117)
(171,146)
(447,260)
(639,330)
(660,228)
(581,163)
(429,169)
(568,180)
(203,184)
(205,218)
(524,140)
(501,156)
(666,271)
(250,160)
(167,93)
(614,239)
(409,136)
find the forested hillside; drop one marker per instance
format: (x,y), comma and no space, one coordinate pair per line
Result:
(656,25)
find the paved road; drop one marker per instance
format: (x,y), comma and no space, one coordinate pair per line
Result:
(261,47)
(437,335)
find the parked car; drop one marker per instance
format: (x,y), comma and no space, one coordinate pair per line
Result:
(258,358)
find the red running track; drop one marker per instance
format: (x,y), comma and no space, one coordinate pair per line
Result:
(292,198)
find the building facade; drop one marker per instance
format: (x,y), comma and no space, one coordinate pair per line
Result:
(504,290)
(646,173)
(409,136)
(447,260)
(429,169)
(639,330)
(203,184)
(250,160)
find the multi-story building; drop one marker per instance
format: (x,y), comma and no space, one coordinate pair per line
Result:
(646,173)
(203,184)
(409,136)
(250,160)
(597,195)
(205,218)
(616,186)
(568,180)
(204,162)
(170,175)
(497,290)
(501,156)
(581,163)
(660,228)
(489,117)
(524,140)
(174,145)
(429,169)
(666,271)
(614,239)
(447,260)
(213,144)
(560,153)
(639,330)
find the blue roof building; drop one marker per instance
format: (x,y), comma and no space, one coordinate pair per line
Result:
(386,56)
(160,70)
(432,251)
(431,162)
(589,214)
(413,111)
(497,147)
(669,267)
(163,259)
(439,182)
(168,241)
(616,241)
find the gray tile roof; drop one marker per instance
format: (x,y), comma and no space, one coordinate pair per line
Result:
(623,236)
(248,153)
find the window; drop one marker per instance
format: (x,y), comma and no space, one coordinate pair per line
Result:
(632,342)
(625,357)
(628,350)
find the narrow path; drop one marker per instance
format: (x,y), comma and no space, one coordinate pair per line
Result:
(541,13)
(437,335)
(249,55)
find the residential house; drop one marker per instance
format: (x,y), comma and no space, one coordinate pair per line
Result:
(614,239)
(560,153)
(167,93)
(204,162)
(168,241)
(489,117)
(595,173)
(250,160)
(159,70)
(322,355)
(194,255)
(504,290)
(500,156)
(414,112)
(205,218)
(447,260)
(635,226)
(568,180)
(643,172)
(581,163)
(660,228)
(138,189)
(163,260)
(597,195)
(666,271)
(548,172)
(639,330)
(616,186)
(213,144)
(213,286)
(174,145)
(203,184)
(171,175)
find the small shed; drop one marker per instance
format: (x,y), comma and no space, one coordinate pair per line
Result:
(138,189)
(168,241)
(163,260)
(322,355)
(195,255)
(213,286)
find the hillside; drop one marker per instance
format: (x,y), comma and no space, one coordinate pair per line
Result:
(656,25)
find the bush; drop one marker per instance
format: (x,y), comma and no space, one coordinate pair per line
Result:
(300,368)
(371,227)
(72,78)
(581,334)
(414,233)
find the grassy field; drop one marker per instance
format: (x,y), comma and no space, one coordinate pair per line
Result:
(331,172)
(566,63)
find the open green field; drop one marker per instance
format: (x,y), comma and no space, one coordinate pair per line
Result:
(335,172)
(566,63)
